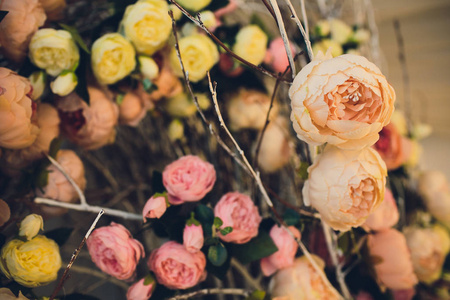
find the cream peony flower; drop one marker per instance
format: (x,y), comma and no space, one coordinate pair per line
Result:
(433,187)
(345,186)
(113,58)
(31,225)
(147,25)
(199,55)
(54,51)
(251,44)
(344,101)
(194,5)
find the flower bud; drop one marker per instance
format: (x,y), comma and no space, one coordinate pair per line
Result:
(177,14)
(176,130)
(193,238)
(209,19)
(322,28)
(148,67)
(154,208)
(203,101)
(64,84)
(340,31)
(38,80)
(141,290)
(361,36)
(30,226)
(326,44)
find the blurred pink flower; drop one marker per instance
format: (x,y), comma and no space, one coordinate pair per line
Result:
(140,291)
(287,248)
(393,148)
(230,7)
(114,251)
(177,268)
(407,294)
(363,296)
(228,67)
(188,179)
(385,216)
(5,212)
(193,238)
(238,211)
(276,55)
(154,208)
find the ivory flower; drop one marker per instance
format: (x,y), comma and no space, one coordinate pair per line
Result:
(148,67)
(251,44)
(16,129)
(64,84)
(5,212)
(31,225)
(194,5)
(340,31)
(345,186)
(54,51)
(385,216)
(325,44)
(147,25)
(112,58)
(344,101)
(198,53)
(16,29)
(434,188)
(32,263)
(6,294)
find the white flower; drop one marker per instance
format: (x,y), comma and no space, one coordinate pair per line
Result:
(64,84)
(30,226)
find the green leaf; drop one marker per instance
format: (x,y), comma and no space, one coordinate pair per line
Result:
(192,220)
(149,279)
(226,230)
(291,217)
(303,170)
(59,235)
(344,242)
(42,179)
(204,214)
(119,99)
(217,222)
(259,247)
(256,295)
(76,37)
(217,254)
(55,145)
(148,85)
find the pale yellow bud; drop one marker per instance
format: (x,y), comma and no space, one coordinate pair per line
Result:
(30,226)
(176,130)
(64,84)
(148,67)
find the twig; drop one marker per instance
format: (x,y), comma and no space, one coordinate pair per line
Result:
(95,273)
(270,9)
(305,17)
(74,256)
(215,291)
(105,172)
(244,272)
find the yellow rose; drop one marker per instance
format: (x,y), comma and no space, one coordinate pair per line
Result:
(32,263)
(147,25)
(251,44)
(209,19)
(53,50)
(194,5)
(30,226)
(199,55)
(113,58)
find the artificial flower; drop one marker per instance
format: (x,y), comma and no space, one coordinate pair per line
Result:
(180,106)
(325,45)
(392,147)
(340,31)
(30,226)
(6,294)
(251,44)
(5,212)
(140,290)
(148,67)
(194,5)
(38,82)
(276,55)
(193,237)
(385,216)
(64,84)
(132,109)
(175,130)
(154,208)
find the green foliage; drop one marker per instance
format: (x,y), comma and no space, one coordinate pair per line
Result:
(149,279)
(217,222)
(291,217)
(76,37)
(257,295)
(259,247)
(226,230)
(303,170)
(217,254)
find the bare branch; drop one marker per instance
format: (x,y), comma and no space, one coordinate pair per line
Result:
(215,291)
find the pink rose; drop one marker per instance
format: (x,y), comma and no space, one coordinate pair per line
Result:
(5,212)
(177,268)
(132,109)
(16,29)
(392,259)
(54,8)
(287,248)
(188,179)
(193,238)
(90,126)
(276,55)
(228,66)
(385,216)
(238,211)
(16,110)
(140,291)
(231,6)
(393,148)
(114,251)
(154,208)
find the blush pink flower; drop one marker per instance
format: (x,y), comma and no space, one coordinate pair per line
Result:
(5,212)
(16,29)
(193,238)
(238,211)
(435,191)
(16,110)
(140,291)
(385,216)
(177,268)
(287,248)
(393,148)
(114,251)
(132,109)
(188,179)
(154,208)
(276,55)
(344,101)
(392,259)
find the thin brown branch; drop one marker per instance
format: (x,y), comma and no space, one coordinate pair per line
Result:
(244,272)
(215,291)
(270,9)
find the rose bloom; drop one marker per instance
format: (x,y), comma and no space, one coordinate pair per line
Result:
(238,211)
(385,216)
(345,186)
(58,187)
(112,58)
(54,9)
(6,294)
(114,251)
(392,147)
(199,55)
(53,50)
(344,101)
(154,208)
(300,282)
(393,264)
(16,29)
(90,126)
(147,25)
(248,109)
(177,268)
(5,212)
(251,44)
(276,55)
(32,263)
(193,238)
(140,291)
(30,226)
(287,248)
(132,109)
(427,253)
(194,5)
(16,129)
(228,67)
(434,189)
(188,179)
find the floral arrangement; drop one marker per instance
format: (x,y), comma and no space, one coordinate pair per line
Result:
(222,157)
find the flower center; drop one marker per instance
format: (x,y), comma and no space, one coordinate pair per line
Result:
(176,270)
(362,197)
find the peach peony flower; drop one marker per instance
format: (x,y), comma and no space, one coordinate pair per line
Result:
(193,238)
(16,129)
(229,8)
(345,186)
(238,211)
(177,268)
(140,291)
(16,29)
(287,248)
(392,147)
(188,179)
(344,101)
(90,126)
(385,216)
(54,9)
(6,294)
(58,187)
(154,208)
(114,251)
(300,282)
(393,264)
(5,212)
(276,55)
(132,109)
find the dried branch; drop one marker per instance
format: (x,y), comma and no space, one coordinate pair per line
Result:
(270,9)
(215,291)
(244,272)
